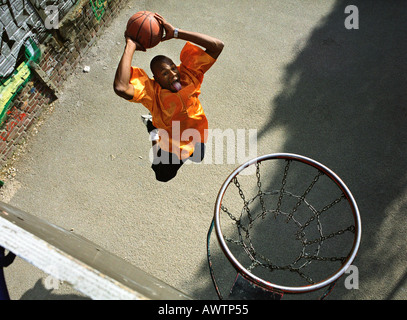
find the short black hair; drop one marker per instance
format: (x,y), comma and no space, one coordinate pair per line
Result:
(158,59)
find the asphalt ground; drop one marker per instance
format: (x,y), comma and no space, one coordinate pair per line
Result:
(291,71)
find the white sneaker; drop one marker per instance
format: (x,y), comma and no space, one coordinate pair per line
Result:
(153,131)
(146,118)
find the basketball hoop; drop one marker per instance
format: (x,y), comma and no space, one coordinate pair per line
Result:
(299,228)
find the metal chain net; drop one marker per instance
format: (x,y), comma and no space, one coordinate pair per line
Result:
(247,219)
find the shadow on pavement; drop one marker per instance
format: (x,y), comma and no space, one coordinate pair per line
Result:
(344,104)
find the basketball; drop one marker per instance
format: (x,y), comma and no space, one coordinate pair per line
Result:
(144,28)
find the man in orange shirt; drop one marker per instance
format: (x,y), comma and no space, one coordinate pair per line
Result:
(178,123)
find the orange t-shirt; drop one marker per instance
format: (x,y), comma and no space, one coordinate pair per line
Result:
(179,116)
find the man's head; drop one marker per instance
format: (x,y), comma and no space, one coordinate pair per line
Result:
(166,73)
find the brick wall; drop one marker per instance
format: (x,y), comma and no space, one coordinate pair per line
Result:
(30,79)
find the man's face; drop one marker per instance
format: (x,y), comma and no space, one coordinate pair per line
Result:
(167,75)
